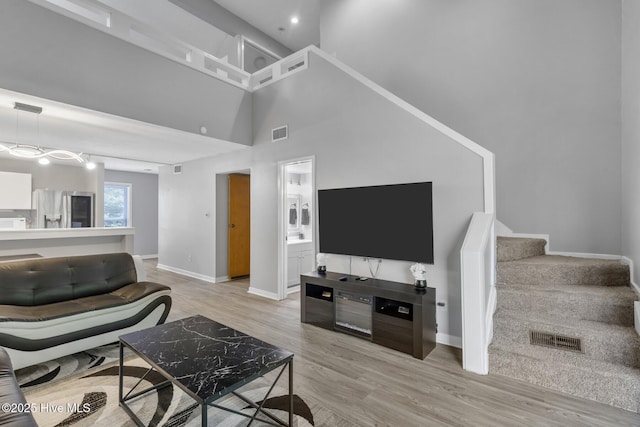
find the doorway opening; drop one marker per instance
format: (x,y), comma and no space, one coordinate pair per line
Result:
(296,223)
(233,225)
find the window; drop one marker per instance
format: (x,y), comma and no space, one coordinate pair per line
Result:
(117,204)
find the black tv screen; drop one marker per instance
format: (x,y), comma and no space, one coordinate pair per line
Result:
(385,221)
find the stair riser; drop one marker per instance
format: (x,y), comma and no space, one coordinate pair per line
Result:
(583,307)
(561,275)
(510,249)
(608,346)
(622,391)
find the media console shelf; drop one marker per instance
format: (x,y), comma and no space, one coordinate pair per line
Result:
(391,314)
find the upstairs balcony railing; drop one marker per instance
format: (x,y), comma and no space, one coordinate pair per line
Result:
(124,27)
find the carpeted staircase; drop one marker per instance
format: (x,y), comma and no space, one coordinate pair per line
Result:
(582,307)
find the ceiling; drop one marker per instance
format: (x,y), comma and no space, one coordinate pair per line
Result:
(273,18)
(118,142)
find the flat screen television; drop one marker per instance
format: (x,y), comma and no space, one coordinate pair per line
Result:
(384,221)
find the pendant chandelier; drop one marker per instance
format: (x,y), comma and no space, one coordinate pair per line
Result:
(28,151)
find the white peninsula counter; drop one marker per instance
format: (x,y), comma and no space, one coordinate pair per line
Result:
(52,242)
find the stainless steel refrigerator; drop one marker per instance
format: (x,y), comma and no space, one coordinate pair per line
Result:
(63,209)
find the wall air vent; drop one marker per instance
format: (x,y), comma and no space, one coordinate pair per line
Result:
(177,169)
(560,342)
(278,134)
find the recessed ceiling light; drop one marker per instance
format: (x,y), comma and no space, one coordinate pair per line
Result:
(295,20)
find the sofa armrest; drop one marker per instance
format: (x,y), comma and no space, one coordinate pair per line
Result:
(10,393)
(140,273)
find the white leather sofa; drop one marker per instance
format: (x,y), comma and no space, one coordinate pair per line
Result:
(52,307)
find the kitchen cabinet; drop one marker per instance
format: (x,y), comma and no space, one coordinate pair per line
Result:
(15,191)
(300,260)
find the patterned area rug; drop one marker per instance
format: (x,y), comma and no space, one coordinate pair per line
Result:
(82,390)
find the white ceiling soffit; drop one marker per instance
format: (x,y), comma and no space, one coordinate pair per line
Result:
(121,143)
(273,18)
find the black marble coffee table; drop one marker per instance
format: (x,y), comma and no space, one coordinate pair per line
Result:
(207,360)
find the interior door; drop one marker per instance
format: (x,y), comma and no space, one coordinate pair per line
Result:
(239,225)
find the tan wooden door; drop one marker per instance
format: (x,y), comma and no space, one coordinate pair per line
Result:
(239,225)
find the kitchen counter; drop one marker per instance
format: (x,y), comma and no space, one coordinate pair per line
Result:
(58,233)
(50,242)
(298,241)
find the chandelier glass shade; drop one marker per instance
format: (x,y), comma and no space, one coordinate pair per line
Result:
(33,152)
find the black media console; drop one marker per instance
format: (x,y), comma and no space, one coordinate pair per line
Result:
(392,314)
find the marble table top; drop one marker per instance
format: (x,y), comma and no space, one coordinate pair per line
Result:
(205,358)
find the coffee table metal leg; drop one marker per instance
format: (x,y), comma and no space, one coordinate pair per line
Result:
(120,375)
(259,408)
(291,393)
(204,414)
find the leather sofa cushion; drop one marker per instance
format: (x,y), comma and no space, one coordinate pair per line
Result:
(121,296)
(36,282)
(11,393)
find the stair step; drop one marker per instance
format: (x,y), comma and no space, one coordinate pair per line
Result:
(568,372)
(550,270)
(514,248)
(608,304)
(600,341)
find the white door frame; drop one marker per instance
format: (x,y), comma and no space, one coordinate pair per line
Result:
(282,211)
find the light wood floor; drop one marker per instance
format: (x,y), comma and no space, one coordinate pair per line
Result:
(367,385)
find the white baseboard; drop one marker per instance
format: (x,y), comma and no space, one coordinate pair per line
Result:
(187,273)
(586,255)
(501,229)
(449,340)
(152,256)
(636,306)
(222,279)
(531,236)
(635,286)
(263,293)
(293,289)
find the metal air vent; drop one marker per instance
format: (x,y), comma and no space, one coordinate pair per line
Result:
(278,134)
(177,169)
(560,342)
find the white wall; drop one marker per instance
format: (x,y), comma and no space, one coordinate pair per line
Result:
(631,133)
(222,225)
(144,208)
(186,218)
(56,176)
(359,138)
(537,82)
